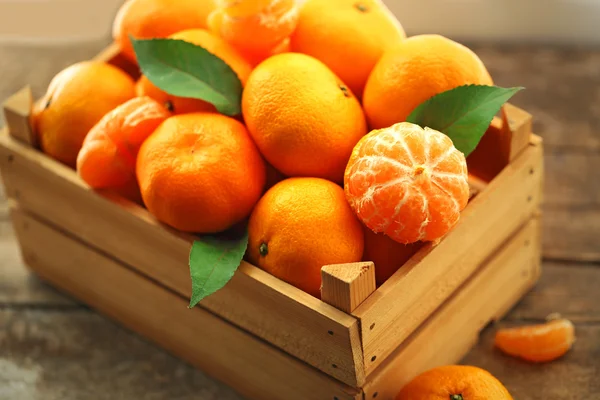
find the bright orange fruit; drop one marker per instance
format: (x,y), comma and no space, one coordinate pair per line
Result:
(537,343)
(216,46)
(258,28)
(387,254)
(454,382)
(349,36)
(303,118)
(108,155)
(418,68)
(407,182)
(300,225)
(200,172)
(145,19)
(76,99)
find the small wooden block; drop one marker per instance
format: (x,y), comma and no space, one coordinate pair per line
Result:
(346,286)
(17,110)
(516,124)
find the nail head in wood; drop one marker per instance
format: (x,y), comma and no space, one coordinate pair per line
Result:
(346,286)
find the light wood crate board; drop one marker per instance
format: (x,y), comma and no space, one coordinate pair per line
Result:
(266,338)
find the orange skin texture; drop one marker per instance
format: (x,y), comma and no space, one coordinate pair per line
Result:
(387,254)
(303,118)
(441,383)
(76,99)
(305,223)
(109,152)
(258,28)
(216,46)
(537,343)
(145,19)
(415,70)
(200,172)
(407,182)
(348,36)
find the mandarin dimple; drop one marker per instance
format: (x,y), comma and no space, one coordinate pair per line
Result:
(407,182)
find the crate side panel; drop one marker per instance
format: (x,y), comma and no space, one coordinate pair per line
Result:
(402,303)
(249,365)
(454,328)
(253,300)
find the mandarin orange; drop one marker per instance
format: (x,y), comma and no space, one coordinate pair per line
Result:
(200,172)
(407,182)
(418,68)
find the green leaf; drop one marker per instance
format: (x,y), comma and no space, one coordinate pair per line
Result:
(213,261)
(463,113)
(184,69)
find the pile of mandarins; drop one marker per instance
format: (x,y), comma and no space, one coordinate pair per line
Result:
(320,164)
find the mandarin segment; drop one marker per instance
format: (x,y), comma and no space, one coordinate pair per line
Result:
(258,28)
(200,172)
(303,118)
(108,155)
(417,69)
(300,225)
(454,382)
(145,19)
(349,36)
(76,99)
(537,343)
(407,182)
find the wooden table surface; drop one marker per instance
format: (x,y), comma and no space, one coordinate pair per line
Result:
(52,348)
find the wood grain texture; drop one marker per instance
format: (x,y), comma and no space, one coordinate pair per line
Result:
(18,287)
(254,300)
(562,89)
(227,353)
(572,179)
(346,286)
(572,234)
(570,289)
(402,303)
(485,297)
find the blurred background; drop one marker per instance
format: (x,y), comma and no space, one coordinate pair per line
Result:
(554,21)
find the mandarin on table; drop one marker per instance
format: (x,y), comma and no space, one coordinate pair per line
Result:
(303,118)
(537,343)
(349,36)
(387,254)
(109,152)
(214,45)
(454,382)
(200,172)
(300,225)
(147,19)
(407,182)
(76,99)
(258,28)
(417,69)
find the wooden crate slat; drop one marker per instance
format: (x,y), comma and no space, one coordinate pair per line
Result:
(402,303)
(17,110)
(256,369)
(453,329)
(254,300)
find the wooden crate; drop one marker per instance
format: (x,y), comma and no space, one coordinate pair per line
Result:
(258,334)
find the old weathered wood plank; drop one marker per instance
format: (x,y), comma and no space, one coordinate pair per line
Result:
(574,377)
(571,234)
(572,179)
(561,89)
(18,286)
(570,289)
(81,355)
